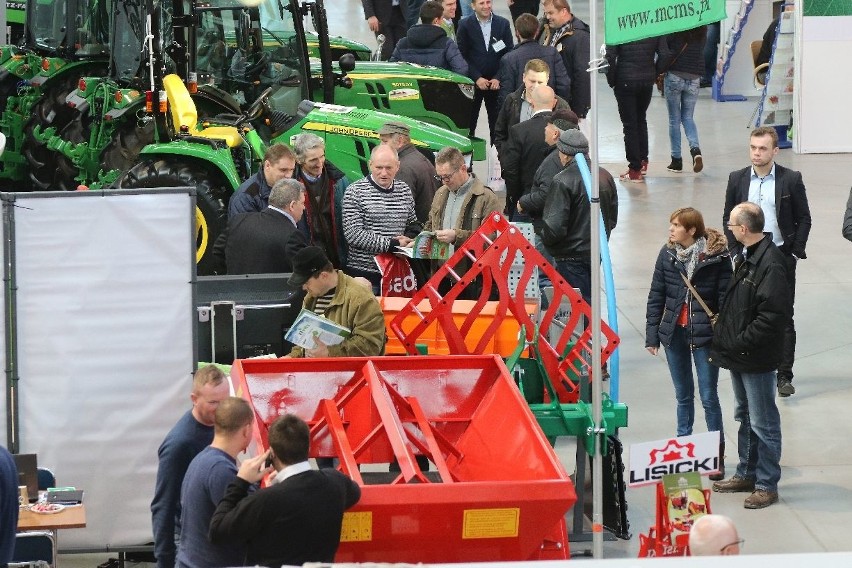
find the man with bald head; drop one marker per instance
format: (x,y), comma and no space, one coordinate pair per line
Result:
(378,215)
(525,150)
(714,535)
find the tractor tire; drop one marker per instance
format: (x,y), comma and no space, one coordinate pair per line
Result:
(49,111)
(127,142)
(211,198)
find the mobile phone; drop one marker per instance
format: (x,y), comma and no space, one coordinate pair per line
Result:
(268,461)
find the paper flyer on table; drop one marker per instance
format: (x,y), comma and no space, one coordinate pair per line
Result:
(309,325)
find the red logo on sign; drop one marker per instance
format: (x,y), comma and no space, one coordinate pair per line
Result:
(673,452)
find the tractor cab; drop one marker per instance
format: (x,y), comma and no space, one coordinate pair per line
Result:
(70,29)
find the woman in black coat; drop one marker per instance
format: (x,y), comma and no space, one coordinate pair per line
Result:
(675,318)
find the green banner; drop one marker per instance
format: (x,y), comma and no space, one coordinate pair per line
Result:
(629,20)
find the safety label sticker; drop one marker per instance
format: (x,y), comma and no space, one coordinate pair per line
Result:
(357,526)
(491,523)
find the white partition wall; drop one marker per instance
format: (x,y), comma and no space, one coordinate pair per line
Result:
(105,345)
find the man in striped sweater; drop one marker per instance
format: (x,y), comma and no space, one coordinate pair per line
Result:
(378,215)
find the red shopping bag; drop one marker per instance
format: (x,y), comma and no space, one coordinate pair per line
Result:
(397,277)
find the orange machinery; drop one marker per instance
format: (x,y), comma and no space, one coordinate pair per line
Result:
(499,491)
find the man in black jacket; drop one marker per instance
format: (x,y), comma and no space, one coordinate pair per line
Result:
(525,149)
(298,518)
(512,64)
(427,43)
(566,220)
(570,36)
(518,105)
(780,193)
(747,340)
(264,243)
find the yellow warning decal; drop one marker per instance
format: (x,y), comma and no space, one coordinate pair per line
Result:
(491,523)
(357,527)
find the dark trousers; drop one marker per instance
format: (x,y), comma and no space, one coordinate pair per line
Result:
(633,100)
(492,108)
(578,274)
(711,50)
(393,30)
(785,367)
(523,7)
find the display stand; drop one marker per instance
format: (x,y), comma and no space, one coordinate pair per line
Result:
(728,50)
(680,500)
(776,101)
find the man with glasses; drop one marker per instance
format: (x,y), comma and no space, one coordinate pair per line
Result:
(780,192)
(747,340)
(461,204)
(714,535)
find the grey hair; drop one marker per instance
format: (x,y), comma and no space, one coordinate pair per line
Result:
(304,143)
(285,192)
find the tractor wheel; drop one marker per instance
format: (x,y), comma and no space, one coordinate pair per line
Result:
(127,141)
(212,194)
(49,111)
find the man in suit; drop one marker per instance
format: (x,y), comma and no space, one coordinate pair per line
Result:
(263,243)
(780,193)
(525,150)
(387,18)
(483,39)
(512,65)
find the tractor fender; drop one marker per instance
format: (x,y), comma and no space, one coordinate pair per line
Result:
(203,150)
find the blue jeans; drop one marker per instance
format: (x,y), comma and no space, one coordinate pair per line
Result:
(680,356)
(759,436)
(681,96)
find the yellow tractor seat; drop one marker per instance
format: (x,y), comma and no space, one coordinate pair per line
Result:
(184,114)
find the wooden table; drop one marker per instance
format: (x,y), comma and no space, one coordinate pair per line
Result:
(69,518)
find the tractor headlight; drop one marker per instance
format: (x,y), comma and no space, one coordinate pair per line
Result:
(467,90)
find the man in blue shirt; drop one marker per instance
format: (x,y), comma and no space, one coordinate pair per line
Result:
(192,433)
(204,486)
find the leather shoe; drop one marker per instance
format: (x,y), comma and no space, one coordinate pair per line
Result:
(735,484)
(785,388)
(760,499)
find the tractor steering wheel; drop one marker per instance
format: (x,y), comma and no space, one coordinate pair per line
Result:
(254,110)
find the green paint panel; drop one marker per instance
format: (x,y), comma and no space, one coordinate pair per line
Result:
(827,8)
(628,20)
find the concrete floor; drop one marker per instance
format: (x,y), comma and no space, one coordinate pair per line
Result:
(816,482)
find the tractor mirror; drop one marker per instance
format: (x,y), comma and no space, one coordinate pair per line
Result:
(347,62)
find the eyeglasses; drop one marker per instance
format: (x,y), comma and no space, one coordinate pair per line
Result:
(739,543)
(730,225)
(444,178)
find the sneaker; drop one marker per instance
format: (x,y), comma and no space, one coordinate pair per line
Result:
(676,165)
(644,169)
(735,484)
(632,175)
(785,388)
(697,160)
(760,499)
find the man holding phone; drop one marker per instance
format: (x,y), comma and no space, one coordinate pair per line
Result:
(298,518)
(204,485)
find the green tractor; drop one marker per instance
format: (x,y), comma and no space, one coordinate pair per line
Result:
(15,18)
(234,54)
(63,41)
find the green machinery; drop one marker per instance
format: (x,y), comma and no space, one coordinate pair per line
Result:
(62,42)
(234,54)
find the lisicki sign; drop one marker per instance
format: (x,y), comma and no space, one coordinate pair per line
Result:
(650,461)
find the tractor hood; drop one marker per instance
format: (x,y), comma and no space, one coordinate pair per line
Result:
(365,70)
(350,121)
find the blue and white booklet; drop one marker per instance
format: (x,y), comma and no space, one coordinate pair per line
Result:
(309,325)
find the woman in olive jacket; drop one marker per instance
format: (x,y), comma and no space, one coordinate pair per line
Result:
(675,318)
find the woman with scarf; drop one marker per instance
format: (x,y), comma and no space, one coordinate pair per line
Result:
(676,319)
